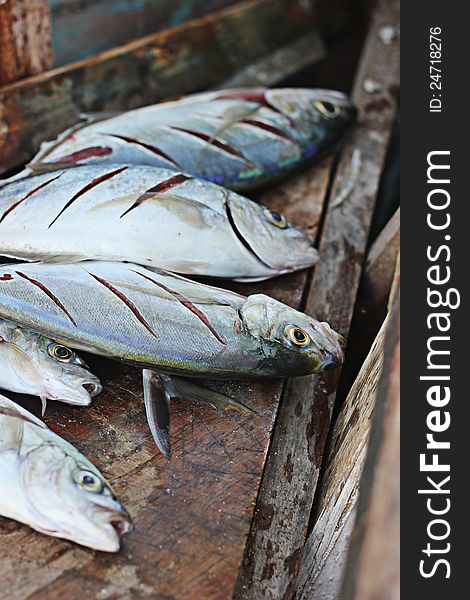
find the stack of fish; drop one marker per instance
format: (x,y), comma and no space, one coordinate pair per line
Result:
(108,219)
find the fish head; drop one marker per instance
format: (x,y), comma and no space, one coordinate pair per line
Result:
(65,375)
(66,496)
(269,236)
(326,113)
(292,343)
(31,363)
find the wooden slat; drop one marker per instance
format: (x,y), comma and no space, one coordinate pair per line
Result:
(374,561)
(84,28)
(293,466)
(281,63)
(373,295)
(25,39)
(323,562)
(324,559)
(380,263)
(192,516)
(198,54)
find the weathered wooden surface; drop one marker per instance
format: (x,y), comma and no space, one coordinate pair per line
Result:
(81,28)
(280,64)
(25,39)
(374,560)
(324,559)
(192,516)
(372,300)
(380,263)
(284,504)
(196,55)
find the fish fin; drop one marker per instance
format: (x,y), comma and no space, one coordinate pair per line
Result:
(173,201)
(234,115)
(11,429)
(200,294)
(230,118)
(23,174)
(9,408)
(49,258)
(62,258)
(11,356)
(43,405)
(93,117)
(177,387)
(157,408)
(47,167)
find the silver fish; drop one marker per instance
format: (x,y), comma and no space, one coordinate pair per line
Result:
(165,322)
(149,216)
(239,138)
(34,364)
(50,486)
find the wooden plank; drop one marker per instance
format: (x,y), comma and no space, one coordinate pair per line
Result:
(324,559)
(84,28)
(192,516)
(374,561)
(280,64)
(284,504)
(195,55)
(372,300)
(25,39)
(380,264)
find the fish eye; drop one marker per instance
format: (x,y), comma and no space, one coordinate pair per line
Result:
(297,335)
(89,481)
(276,219)
(60,353)
(327,109)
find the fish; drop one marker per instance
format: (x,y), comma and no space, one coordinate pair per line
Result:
(49,485)
(242,138)
(165,322)
(148,216)
(173,328)
(34,364)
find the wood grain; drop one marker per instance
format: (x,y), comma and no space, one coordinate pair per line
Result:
(284,504)
(324,558)
(193,56)
(82,28)
(380,263)
(25,39)
(373,565)
(372,300)
(281,63)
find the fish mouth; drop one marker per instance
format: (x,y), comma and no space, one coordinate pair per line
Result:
(121,527)
(119,520)
(92,388)
(81,395)
(332,362)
